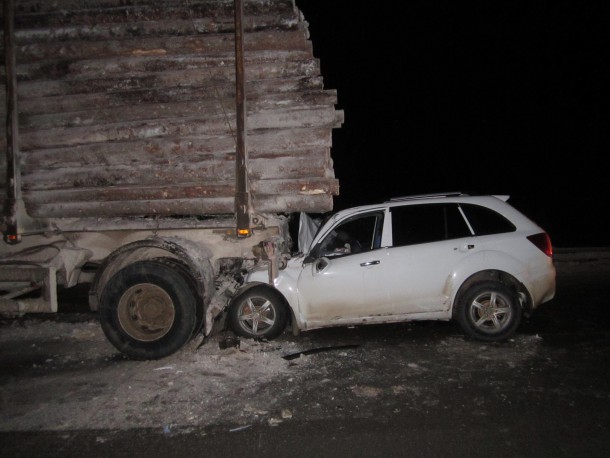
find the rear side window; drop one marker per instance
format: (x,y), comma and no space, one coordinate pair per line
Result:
(485,221)
(412,224)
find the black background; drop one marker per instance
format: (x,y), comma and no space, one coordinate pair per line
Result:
(485,97)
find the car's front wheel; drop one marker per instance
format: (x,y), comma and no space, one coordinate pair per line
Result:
(489,311)
(258,313)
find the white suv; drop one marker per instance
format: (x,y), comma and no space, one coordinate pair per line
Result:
(475,259)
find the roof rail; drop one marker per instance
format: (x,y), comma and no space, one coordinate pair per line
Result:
(428,196)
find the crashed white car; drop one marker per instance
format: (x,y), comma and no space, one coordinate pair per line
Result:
(475,259)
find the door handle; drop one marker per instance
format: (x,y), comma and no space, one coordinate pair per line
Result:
(369,263)
(466,247)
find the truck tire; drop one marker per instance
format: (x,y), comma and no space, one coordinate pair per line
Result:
(258,313)
(200,315)
(489,311)
(148,310)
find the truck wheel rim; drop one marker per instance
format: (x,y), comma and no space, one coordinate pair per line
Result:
(146,312)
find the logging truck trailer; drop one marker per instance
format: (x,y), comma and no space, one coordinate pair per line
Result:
(152,150)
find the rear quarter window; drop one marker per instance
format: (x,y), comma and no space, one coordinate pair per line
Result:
(485,221)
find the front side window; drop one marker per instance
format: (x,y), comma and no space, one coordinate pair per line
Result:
(355,235)
(413,224)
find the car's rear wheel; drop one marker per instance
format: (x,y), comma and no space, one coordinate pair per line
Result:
(258,313)
(489,311)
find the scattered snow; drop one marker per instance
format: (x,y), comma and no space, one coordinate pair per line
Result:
(104,390)
(64,376)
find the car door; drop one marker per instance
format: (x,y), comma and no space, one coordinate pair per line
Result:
(418,277)
(428,243)
(333,286)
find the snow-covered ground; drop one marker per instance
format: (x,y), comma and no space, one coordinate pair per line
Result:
(66,375)
(60,373)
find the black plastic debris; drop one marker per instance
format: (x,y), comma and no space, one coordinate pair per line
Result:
(311,351)
(229,342)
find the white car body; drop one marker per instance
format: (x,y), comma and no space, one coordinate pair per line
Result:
(414,282)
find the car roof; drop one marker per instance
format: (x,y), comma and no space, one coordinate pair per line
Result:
(497,203)
(487,200)
(494,202)
(441,195)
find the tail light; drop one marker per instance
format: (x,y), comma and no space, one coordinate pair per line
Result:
(542,242)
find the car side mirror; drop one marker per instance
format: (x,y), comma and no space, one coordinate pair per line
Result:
(321,264)
(312,255)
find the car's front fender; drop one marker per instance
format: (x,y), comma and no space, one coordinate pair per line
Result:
(286,283)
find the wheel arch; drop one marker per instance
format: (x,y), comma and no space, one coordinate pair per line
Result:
(291,316)
(193,259)
(494,275)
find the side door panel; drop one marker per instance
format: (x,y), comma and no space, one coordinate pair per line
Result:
(419,277)
(336,287)
(428,243)
(332,289)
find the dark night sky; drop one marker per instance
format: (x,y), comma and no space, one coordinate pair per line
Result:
(482,97)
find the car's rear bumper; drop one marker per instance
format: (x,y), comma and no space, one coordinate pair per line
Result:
(542,285)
